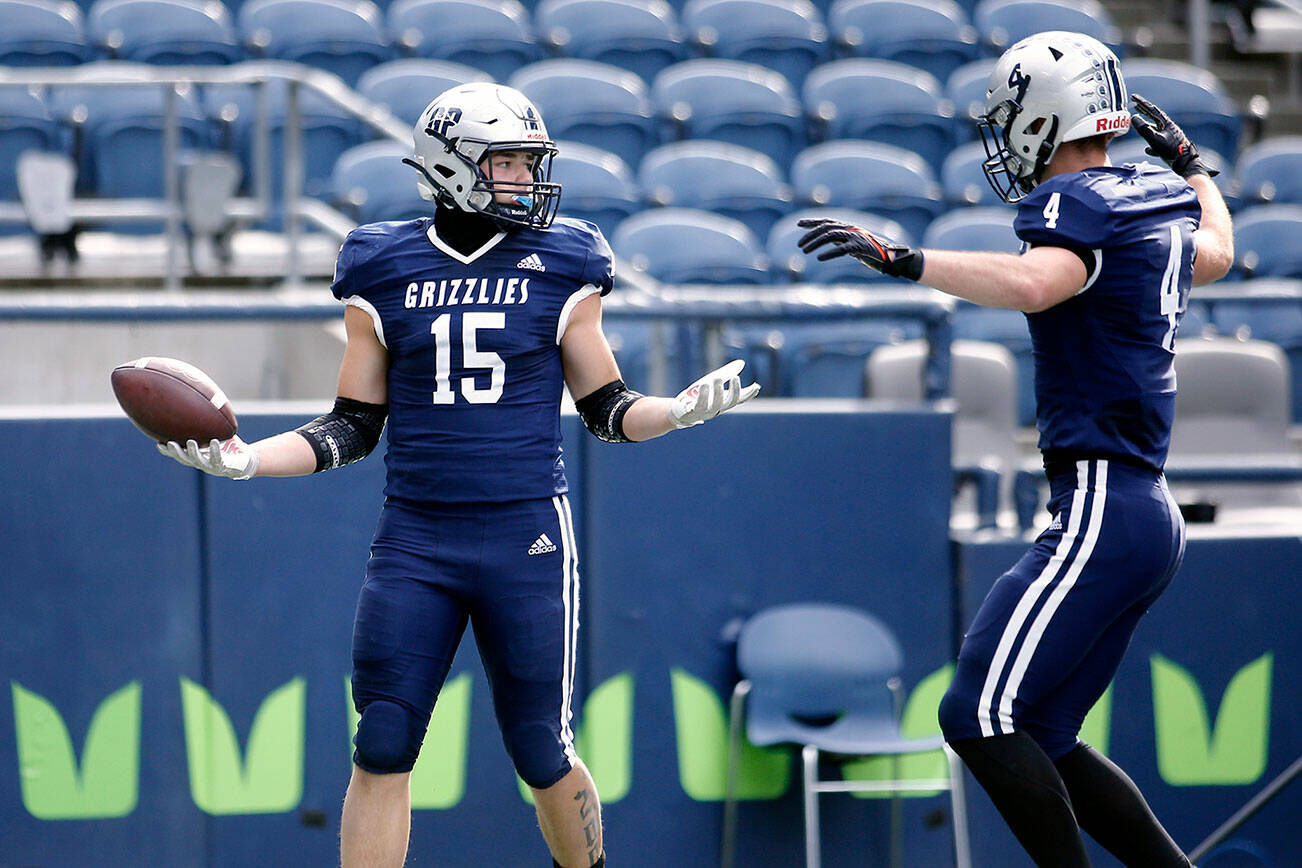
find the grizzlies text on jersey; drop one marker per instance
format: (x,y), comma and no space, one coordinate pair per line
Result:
(1104,360)
(482,329)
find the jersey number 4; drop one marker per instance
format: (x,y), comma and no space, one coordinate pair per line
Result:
(472,358)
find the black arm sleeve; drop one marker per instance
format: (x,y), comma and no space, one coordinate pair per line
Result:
(346,434)
(603,411)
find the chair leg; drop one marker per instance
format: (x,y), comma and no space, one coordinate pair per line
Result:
(958,801)
(728,846)
(809,756)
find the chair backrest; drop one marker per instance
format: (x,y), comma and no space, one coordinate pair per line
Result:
(1266,240)
(686,245)
(981,228)
(818,659)
(371,181)
(788,36)
(874,176)
(1004,22)
(409,84)
(1271,170)
(25,125)
(1194,98)
(596,185)
(493,35)
(643,36)
(791,263)
(42,33)
(966,88)
(345,37)
(180,32)
(962,178)
(717,176)
(931,34)
(1232,396)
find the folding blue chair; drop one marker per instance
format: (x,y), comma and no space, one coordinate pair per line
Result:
(165,32)
(493,35)
(642,36)
(42,33)
(345,37)
(974,229)
(793,265)
(1266,241)
(934,35)
(714,176)
(687,245)
(371,184)
(826,677)
(966,89)
(732,101)
(25,125)
(1193,97)
(1271,171)
(787,36)
(1004,22)
(596,185)
(883,101)
(869,176)
(407,85)
(962,178)
(593,103)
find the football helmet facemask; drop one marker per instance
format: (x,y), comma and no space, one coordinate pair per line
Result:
(1047,89)
(464,125)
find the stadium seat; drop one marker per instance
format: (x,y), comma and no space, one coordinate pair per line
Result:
(345,37)
(966,89)
(790,264)
(816,359)
(974,229)
(934,36)
(165,32)
(685,245)
(1266,241)
(1008,328)
(593,103)
(787,36)
(869,176)
(1193,97)
(732,101)
(493,35)
(596,185)
(883,101)
(642,36)
(1278,321)
(25,125)
(371,184)
(42,33)
(405,86)
(1004,22)
(1271,171)
(962,178)
(714,176)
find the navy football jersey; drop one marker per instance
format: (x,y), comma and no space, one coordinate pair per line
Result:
(474,351)
(1104,359)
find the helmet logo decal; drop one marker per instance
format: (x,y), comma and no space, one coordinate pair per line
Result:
(443,119)
(530,119)
(1019,81)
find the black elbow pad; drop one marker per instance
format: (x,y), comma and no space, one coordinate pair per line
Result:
(346,434)
(603,411)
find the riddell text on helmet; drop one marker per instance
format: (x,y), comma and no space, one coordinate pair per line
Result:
(1107,125)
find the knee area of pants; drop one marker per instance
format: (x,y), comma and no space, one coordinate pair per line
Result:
(957,714)
(388,738)
(538,755)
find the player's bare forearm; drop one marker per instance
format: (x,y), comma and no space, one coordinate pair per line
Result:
(1029,282)
(287,454)
(1215,234)
(648,418)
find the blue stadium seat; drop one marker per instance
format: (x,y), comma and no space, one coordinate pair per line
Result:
(642,36)
(371,184)
(829,360)
(1193,97)
(1006,327)
(1130,148)
(787,36)
(720,177)
(966,89)
(405,86)
(1004,22)
(974,229)
(165,32)
(1279,322)
(345,37)
(733,101)
(790,264)
(1266,241)
(25,125)
(930,34)
(686,245)
(883,101)
(596,185)
(869,176)
(593,103)
(493,35)
(42,33)
(962,179)
(1271,171)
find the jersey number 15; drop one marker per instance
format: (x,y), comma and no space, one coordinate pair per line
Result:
(472,358)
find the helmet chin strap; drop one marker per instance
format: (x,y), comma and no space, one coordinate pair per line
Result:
(1046,152)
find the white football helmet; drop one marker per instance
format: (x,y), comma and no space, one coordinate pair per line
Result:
(1047,89)
(459,129)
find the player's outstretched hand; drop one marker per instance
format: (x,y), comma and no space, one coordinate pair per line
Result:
(1166,140)
(873,250)
(232,458)
(715,393)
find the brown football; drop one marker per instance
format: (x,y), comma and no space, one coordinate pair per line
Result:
(173,400)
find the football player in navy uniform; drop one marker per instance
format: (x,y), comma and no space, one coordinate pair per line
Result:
(1108,259)
(462,330)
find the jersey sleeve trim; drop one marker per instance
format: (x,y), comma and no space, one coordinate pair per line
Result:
(362,304)
(1098,269)
(568,308)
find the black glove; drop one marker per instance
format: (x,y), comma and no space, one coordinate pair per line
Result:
(873,250)
(1167,141)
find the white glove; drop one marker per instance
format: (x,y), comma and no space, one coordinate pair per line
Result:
(716,392)
(232,458)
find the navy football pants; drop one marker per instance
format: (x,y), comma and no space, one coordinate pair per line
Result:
(1050,635)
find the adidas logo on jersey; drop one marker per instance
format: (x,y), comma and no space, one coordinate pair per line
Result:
(542,545)
(531,262)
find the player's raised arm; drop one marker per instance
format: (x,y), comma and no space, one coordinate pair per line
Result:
(617,414)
